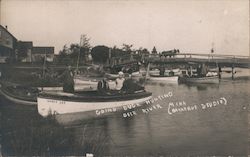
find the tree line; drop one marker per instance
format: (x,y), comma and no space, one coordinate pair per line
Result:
(82,52)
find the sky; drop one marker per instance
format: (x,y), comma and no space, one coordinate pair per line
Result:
(192,26)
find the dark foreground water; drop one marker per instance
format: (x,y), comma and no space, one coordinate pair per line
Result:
(198,120)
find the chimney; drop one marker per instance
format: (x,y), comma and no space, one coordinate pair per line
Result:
(6,26)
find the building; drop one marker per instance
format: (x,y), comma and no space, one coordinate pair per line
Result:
(24,51)
(13,50)
(7,45)
(39,53)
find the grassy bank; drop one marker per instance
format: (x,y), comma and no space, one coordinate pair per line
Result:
(30,76)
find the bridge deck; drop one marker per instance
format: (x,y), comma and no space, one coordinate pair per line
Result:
(186,58)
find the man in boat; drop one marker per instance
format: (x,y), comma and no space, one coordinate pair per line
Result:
(68,80)
(119,81)
(219,71)
(129,86)
(171,73)
(162,70)
(199,70)
(103,86)
(189,72)
(204,70)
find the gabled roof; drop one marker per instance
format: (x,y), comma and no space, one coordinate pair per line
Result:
(8,32)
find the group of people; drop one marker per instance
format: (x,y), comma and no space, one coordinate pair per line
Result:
(202,70)
(122,85)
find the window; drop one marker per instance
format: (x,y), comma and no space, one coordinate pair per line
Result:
(8,41)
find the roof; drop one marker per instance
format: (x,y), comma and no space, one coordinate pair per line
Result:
(43,50)
(26,44)
(8,32)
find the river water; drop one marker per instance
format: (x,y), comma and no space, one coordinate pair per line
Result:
(197,120)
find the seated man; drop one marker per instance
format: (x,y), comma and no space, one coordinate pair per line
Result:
(129,86)
(102,86)
(119,81)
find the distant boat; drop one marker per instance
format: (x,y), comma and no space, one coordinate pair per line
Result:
(53,103)
(203,80)
(164,79)
(156,72)
(154,75)
(114,76)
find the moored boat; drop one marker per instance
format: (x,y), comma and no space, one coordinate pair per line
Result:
(204,80)
(114,76)
(53,103)
(19,94)
(164,79)
(167,72)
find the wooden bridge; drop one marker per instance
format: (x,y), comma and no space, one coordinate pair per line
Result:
(186,58)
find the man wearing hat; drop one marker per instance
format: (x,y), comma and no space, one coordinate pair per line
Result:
(119,81)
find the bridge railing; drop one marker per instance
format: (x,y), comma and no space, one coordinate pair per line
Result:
(178,57)
(202,56)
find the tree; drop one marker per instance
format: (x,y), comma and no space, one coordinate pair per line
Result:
(143,51)
(154,50)
(84,42)
(63,56)
(100,54)
(84,47)
(127,48)
(116,52)
(76,52)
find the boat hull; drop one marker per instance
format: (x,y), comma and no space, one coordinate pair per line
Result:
(156,72)
(203,80)
(165,79)
(114,76)
(18,95)
(50,105)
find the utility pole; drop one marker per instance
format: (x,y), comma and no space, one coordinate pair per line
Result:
(44,63)
(80,45)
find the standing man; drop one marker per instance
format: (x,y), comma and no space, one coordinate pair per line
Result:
(68,80)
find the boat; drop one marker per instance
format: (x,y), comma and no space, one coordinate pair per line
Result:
(89,84)
(164,79)
(85,84)
(114,76)
(56,103)
(203,80)
(19,94)
(156,72)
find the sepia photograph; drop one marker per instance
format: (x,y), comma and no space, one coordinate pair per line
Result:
(124,78)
